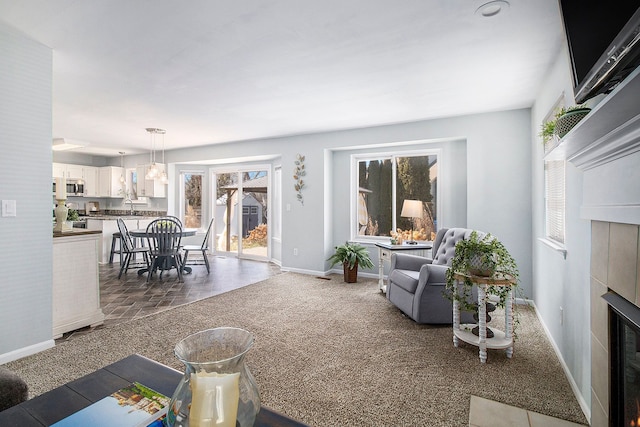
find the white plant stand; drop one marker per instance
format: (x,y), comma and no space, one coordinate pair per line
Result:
(501,339)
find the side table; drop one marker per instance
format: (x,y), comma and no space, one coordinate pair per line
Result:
(500,340)
(384,254)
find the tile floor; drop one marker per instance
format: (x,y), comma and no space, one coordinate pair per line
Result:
(131,297)
(488,413)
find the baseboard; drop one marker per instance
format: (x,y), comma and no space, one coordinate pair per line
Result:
(303,271)
(576,390)
(26,351)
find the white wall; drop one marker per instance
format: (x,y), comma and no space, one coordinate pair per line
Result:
(497,173)
(25,176)
(559,282)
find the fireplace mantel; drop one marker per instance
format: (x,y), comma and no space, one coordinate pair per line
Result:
(610,131)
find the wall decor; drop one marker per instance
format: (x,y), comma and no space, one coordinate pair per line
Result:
(298,173)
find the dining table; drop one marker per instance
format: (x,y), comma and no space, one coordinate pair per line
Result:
(141,233)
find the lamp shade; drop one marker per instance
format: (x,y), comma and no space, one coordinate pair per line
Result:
(411,209)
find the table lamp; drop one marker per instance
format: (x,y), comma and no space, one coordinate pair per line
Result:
(411,209)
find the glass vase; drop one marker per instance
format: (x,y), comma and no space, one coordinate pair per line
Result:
(217,388)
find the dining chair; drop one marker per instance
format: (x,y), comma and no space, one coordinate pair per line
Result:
(203,248)
(129,249)
(163,238)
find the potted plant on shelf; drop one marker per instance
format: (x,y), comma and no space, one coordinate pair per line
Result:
(563,121)
(351,255)
(480,256)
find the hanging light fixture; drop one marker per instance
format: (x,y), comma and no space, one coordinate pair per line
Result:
(163,176)
(152,171)
(122,179)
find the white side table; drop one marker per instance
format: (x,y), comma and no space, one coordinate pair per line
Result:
(384,254)
(500,340)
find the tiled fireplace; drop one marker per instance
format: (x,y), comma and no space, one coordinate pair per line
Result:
(615,272)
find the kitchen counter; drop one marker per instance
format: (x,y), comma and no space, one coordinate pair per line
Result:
(107,225)
(75,232)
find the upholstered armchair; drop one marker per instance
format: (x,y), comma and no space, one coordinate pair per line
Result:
(416,284)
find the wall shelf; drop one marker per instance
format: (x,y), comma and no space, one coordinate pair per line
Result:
(610,131)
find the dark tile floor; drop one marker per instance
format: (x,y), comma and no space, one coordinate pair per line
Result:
(131,297)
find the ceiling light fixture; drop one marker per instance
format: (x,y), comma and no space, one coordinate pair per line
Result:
(492,8)
(152,171)
(121,166)
(163,176)
(59,144)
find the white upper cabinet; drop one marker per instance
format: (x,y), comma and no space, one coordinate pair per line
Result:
(91,176)
(109,182)
(61,170)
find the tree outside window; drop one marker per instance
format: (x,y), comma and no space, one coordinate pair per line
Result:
(383,185)
(192,200)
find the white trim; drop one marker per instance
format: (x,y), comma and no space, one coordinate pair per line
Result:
(555,246)
(586,410)
(26,351)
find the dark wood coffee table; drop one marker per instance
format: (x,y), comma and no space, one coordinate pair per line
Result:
(51,407)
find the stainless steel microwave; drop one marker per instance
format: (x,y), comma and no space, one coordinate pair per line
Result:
(75,187)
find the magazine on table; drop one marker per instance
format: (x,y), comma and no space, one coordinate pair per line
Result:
(131,406)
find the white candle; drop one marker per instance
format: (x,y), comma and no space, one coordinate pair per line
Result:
(214,399)
(61,189)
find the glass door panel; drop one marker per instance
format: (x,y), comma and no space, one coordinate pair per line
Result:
(225,212)
(255,213)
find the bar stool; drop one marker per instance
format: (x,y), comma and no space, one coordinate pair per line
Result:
(116,237)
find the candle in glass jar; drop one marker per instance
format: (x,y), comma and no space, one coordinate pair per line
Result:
(61,189)
(214,399)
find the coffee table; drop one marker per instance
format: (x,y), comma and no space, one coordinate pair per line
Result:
(51,407)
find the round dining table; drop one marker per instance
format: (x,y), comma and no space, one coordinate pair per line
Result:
(141,233)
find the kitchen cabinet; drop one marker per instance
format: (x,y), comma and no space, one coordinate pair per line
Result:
(91,176)
(61,170)
(75,290)
(109,182)
(150,187)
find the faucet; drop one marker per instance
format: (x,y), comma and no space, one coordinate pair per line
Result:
(128,200)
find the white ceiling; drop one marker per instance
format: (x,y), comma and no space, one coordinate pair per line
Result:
(211,71)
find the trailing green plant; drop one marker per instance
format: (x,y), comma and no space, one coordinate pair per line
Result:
(548,128)
(485,252)
(349,253)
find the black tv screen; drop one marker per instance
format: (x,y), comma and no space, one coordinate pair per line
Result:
(598,33)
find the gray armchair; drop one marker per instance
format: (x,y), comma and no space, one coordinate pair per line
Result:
(416,284)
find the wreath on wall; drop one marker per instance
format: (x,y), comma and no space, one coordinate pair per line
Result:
(298,173)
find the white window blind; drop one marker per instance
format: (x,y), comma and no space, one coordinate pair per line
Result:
(554,171)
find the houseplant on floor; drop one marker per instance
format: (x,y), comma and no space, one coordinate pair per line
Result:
(351,255)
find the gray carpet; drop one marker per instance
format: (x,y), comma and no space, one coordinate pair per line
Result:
(334,354)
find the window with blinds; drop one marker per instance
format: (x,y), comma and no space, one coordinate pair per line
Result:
(554,171)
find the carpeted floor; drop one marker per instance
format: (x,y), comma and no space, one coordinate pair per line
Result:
(334,354)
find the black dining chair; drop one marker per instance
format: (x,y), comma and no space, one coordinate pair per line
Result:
(128,249)
(203,248)
(163,237)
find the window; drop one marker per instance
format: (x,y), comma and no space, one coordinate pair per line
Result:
(554,173)
(384,183)
(191,207)
(554,199)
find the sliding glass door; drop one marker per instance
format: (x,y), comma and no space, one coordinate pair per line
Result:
(241,209)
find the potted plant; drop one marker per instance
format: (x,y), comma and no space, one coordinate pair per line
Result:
(351,255)
(563,121)
(480,256)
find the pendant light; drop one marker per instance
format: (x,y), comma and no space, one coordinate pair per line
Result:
(163,176)
(122,179)
(152,171)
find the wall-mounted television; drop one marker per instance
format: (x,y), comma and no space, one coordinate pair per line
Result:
(604,43)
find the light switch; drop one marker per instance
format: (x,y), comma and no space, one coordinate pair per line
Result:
(288,207)
(8,208)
